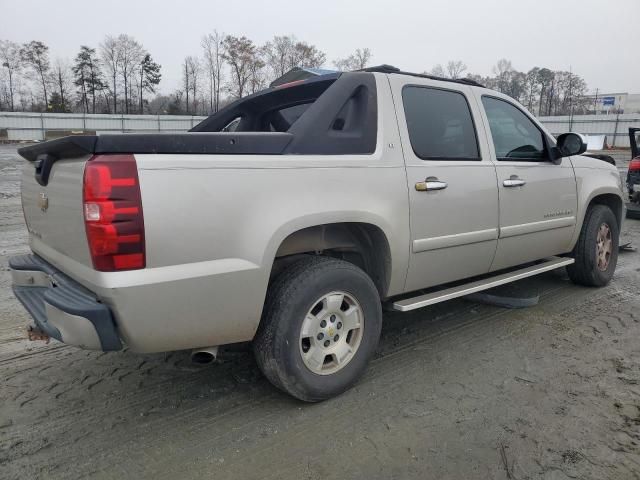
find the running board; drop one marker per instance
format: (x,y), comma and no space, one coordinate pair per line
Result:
(468,288)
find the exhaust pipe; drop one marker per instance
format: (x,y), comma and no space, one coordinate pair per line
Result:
(204,356)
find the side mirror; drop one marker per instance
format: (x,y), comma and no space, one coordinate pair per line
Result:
(569,144)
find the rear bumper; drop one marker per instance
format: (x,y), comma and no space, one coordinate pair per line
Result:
(61,307)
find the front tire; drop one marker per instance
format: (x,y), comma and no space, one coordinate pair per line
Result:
(320,327)
(596,252)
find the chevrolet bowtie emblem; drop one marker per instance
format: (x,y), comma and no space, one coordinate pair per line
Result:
(43,202)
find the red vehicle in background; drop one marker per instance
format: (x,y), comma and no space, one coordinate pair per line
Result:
(633,175)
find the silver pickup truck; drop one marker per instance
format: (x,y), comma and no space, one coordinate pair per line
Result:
(291,216)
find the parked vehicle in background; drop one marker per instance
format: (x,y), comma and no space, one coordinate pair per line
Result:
(330,196)
(633,175)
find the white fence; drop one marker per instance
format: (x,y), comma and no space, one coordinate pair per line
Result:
(614,127)
(41,126)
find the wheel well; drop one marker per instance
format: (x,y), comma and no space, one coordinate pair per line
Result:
(363,244)
(612,201)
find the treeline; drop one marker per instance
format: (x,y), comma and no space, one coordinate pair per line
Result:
(120,76)
(542,90)
(111,79)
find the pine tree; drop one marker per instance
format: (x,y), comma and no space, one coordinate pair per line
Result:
(88,76)
(149,77)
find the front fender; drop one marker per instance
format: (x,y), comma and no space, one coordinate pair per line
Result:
(593,182)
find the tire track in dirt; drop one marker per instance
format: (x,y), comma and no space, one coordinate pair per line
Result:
(470,328)
(435,330)
(401,375)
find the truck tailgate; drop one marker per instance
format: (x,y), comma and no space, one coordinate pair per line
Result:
(53,212)
(52,181)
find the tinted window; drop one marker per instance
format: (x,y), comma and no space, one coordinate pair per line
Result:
(515,136)
(440,125)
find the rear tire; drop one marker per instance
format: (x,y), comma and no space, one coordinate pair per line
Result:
(320,327)
(596,252)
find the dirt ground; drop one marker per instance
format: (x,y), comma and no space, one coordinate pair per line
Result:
(459,390)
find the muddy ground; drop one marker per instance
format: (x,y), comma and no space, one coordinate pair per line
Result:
(458,390)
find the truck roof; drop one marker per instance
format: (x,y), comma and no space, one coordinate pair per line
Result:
(390,69)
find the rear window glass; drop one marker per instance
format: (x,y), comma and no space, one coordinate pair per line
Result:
(439,124)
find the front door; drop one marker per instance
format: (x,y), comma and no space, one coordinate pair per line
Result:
(538,198)
(452,188)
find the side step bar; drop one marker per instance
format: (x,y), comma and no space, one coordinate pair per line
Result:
(468,288)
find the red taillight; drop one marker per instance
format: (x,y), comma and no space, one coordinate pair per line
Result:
(113,213)
(635,164)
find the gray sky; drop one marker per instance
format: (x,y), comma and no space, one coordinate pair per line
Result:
(595,37)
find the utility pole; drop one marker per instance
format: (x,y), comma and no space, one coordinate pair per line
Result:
(570,99)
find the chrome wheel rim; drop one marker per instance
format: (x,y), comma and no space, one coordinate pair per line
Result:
(331,333)
(604,247)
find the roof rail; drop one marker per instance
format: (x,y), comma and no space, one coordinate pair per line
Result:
(391,69)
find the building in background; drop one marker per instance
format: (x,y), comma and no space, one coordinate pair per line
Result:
(612,103)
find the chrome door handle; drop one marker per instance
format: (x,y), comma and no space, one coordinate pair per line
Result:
(430,184)
(514,181)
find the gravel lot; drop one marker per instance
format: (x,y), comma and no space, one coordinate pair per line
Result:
(458,390)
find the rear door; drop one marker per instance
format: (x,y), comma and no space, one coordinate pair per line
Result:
(538,199)
(452,189)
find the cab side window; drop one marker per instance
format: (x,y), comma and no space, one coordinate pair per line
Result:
(439,124)
(515,136)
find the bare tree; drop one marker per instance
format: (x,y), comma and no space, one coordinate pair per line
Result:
(363,57)
(306,55)
(240,53)
(191,74)
(130,56)
(283,53)
(62,79)
(194,69)
(12,62)
(356,61)
(532,87)
(110,53)
(501,70)
(545,80)
(455,69)
(186,78)
(212,46)
(36,55)
(278,53)
(258,79)
(175,104)
(438,71)
(5,102)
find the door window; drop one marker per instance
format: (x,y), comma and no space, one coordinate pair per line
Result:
(439,124)
(515,136)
